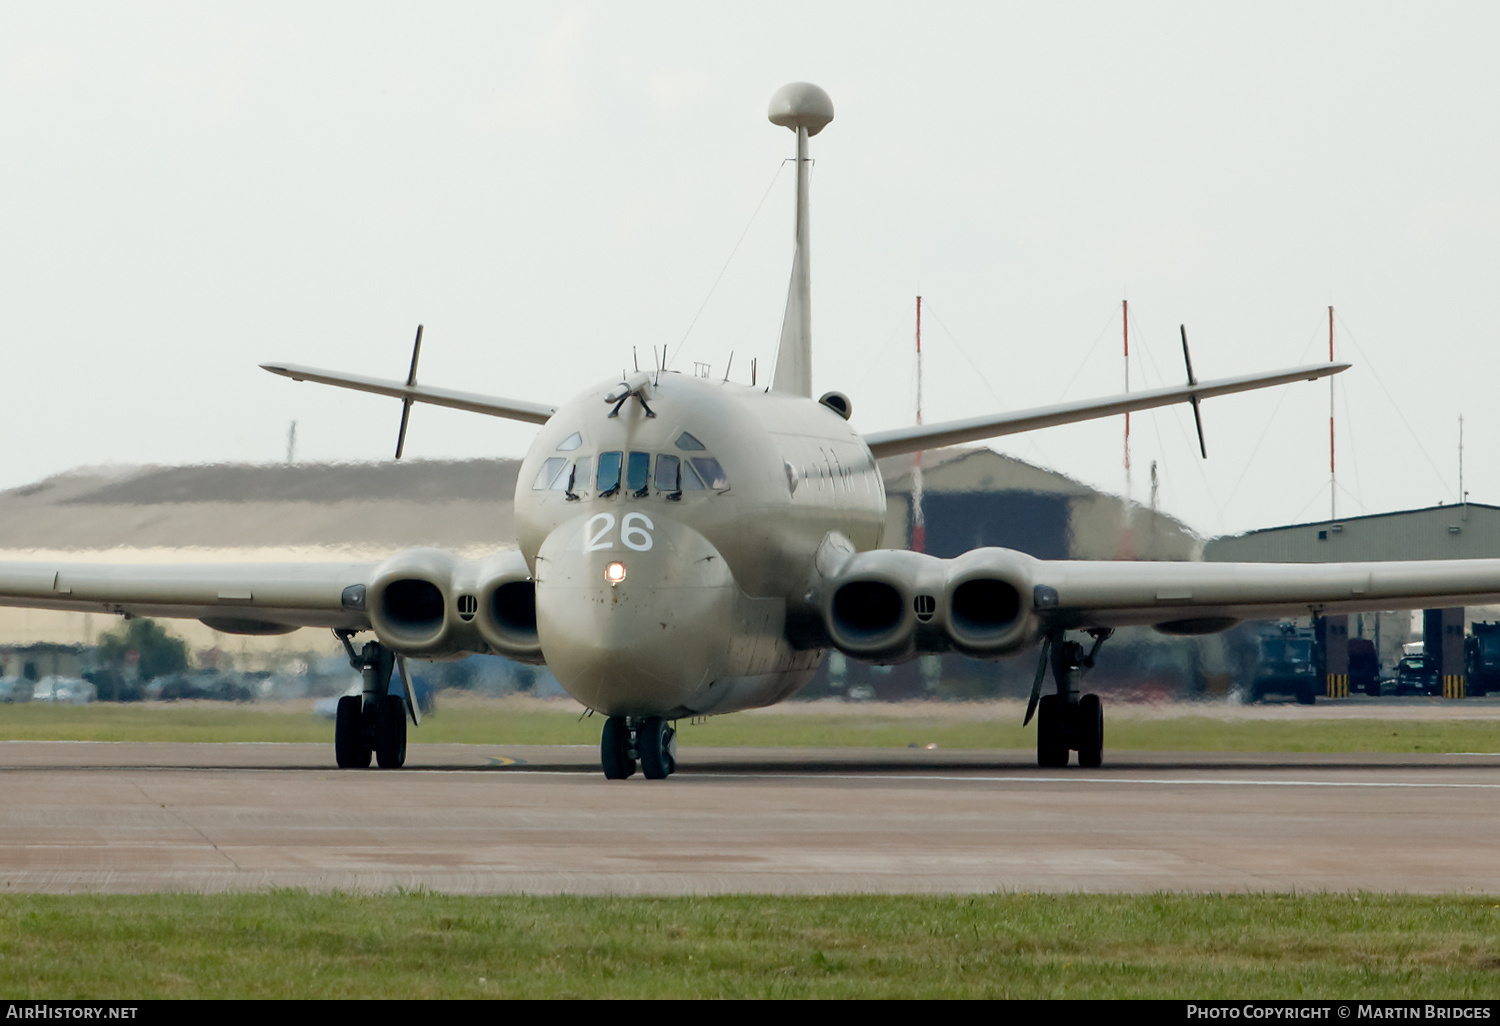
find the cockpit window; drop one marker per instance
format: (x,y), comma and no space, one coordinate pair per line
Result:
(550,472)
(637,473)
(573,477)
(570,443)
(609,473)
(668,473)
(713,475)
(688,442)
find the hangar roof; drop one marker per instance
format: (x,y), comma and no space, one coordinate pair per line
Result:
(356,508)
(1465,531)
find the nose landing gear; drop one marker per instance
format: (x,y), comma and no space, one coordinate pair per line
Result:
(651,739)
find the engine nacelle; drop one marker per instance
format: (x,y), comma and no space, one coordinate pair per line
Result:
(427,602)
(506,607)
(409,602)
(889,605)
(883,605)
(987,608)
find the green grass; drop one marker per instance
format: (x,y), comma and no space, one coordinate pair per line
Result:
(947,726)
(420,945)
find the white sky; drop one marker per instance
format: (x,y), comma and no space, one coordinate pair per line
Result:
(190,189)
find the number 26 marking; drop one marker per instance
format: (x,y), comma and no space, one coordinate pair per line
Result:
(635,532)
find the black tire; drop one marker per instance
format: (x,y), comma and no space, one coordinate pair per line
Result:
(1307,695)
(656,742)
(350,749)
(390,732)
(614,750)
(1051,733)
(1090,732)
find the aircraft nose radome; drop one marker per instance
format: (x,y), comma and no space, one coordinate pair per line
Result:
(646,645)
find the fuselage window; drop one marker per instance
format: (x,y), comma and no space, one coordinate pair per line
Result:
(668,473)
(551,471)
(570,443)
(609,473)
(688,442)
(691,482)
(713,475)
(637,473)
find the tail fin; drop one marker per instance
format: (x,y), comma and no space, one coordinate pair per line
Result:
(806,110)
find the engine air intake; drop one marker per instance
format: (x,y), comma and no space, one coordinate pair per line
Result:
(865,610)
(414,604)
(513,605)
(984,605)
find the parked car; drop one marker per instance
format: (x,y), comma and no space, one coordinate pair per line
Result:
(1418,675)
(69,690)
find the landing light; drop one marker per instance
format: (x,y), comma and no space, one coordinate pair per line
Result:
(614,573)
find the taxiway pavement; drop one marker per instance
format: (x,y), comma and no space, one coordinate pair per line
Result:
(131,817)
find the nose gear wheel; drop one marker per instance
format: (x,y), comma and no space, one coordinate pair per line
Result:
(614,750)
(651,740)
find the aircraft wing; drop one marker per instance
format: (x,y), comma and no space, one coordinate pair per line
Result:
(888,605)
(473,402)
(1195,598)
(954,432)
(248,598)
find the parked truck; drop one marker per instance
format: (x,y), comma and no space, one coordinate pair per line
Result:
(1482,658)
(1290,663)
(1364,667)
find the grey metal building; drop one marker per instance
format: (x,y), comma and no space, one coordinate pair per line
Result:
(1464,531)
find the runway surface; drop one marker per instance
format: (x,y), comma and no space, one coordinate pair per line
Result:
(123,817)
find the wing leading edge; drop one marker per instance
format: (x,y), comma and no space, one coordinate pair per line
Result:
(1191,596)
(955,432)
(472,402)
(250,598)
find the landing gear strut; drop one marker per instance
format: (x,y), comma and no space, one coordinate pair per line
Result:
(1066,721)
(374,721)
(652,740)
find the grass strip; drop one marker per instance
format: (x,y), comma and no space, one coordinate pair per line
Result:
(501,723)
(292,944)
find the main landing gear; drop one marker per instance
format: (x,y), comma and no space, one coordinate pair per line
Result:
(1066,721)
(372,723)
(650,739)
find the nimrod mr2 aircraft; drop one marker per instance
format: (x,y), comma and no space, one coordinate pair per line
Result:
(691,547)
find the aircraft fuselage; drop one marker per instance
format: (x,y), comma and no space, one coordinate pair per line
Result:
(713,510)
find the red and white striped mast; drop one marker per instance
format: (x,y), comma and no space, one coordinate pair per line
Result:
(1125,320)
(1333,478)
(1127,540)
(918,518)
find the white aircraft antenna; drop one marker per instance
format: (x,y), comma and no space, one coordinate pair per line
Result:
(806,110)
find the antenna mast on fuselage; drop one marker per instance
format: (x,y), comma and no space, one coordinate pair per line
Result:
(806,110)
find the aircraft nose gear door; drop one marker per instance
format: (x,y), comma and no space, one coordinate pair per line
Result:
(1067,722)
(374,721)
